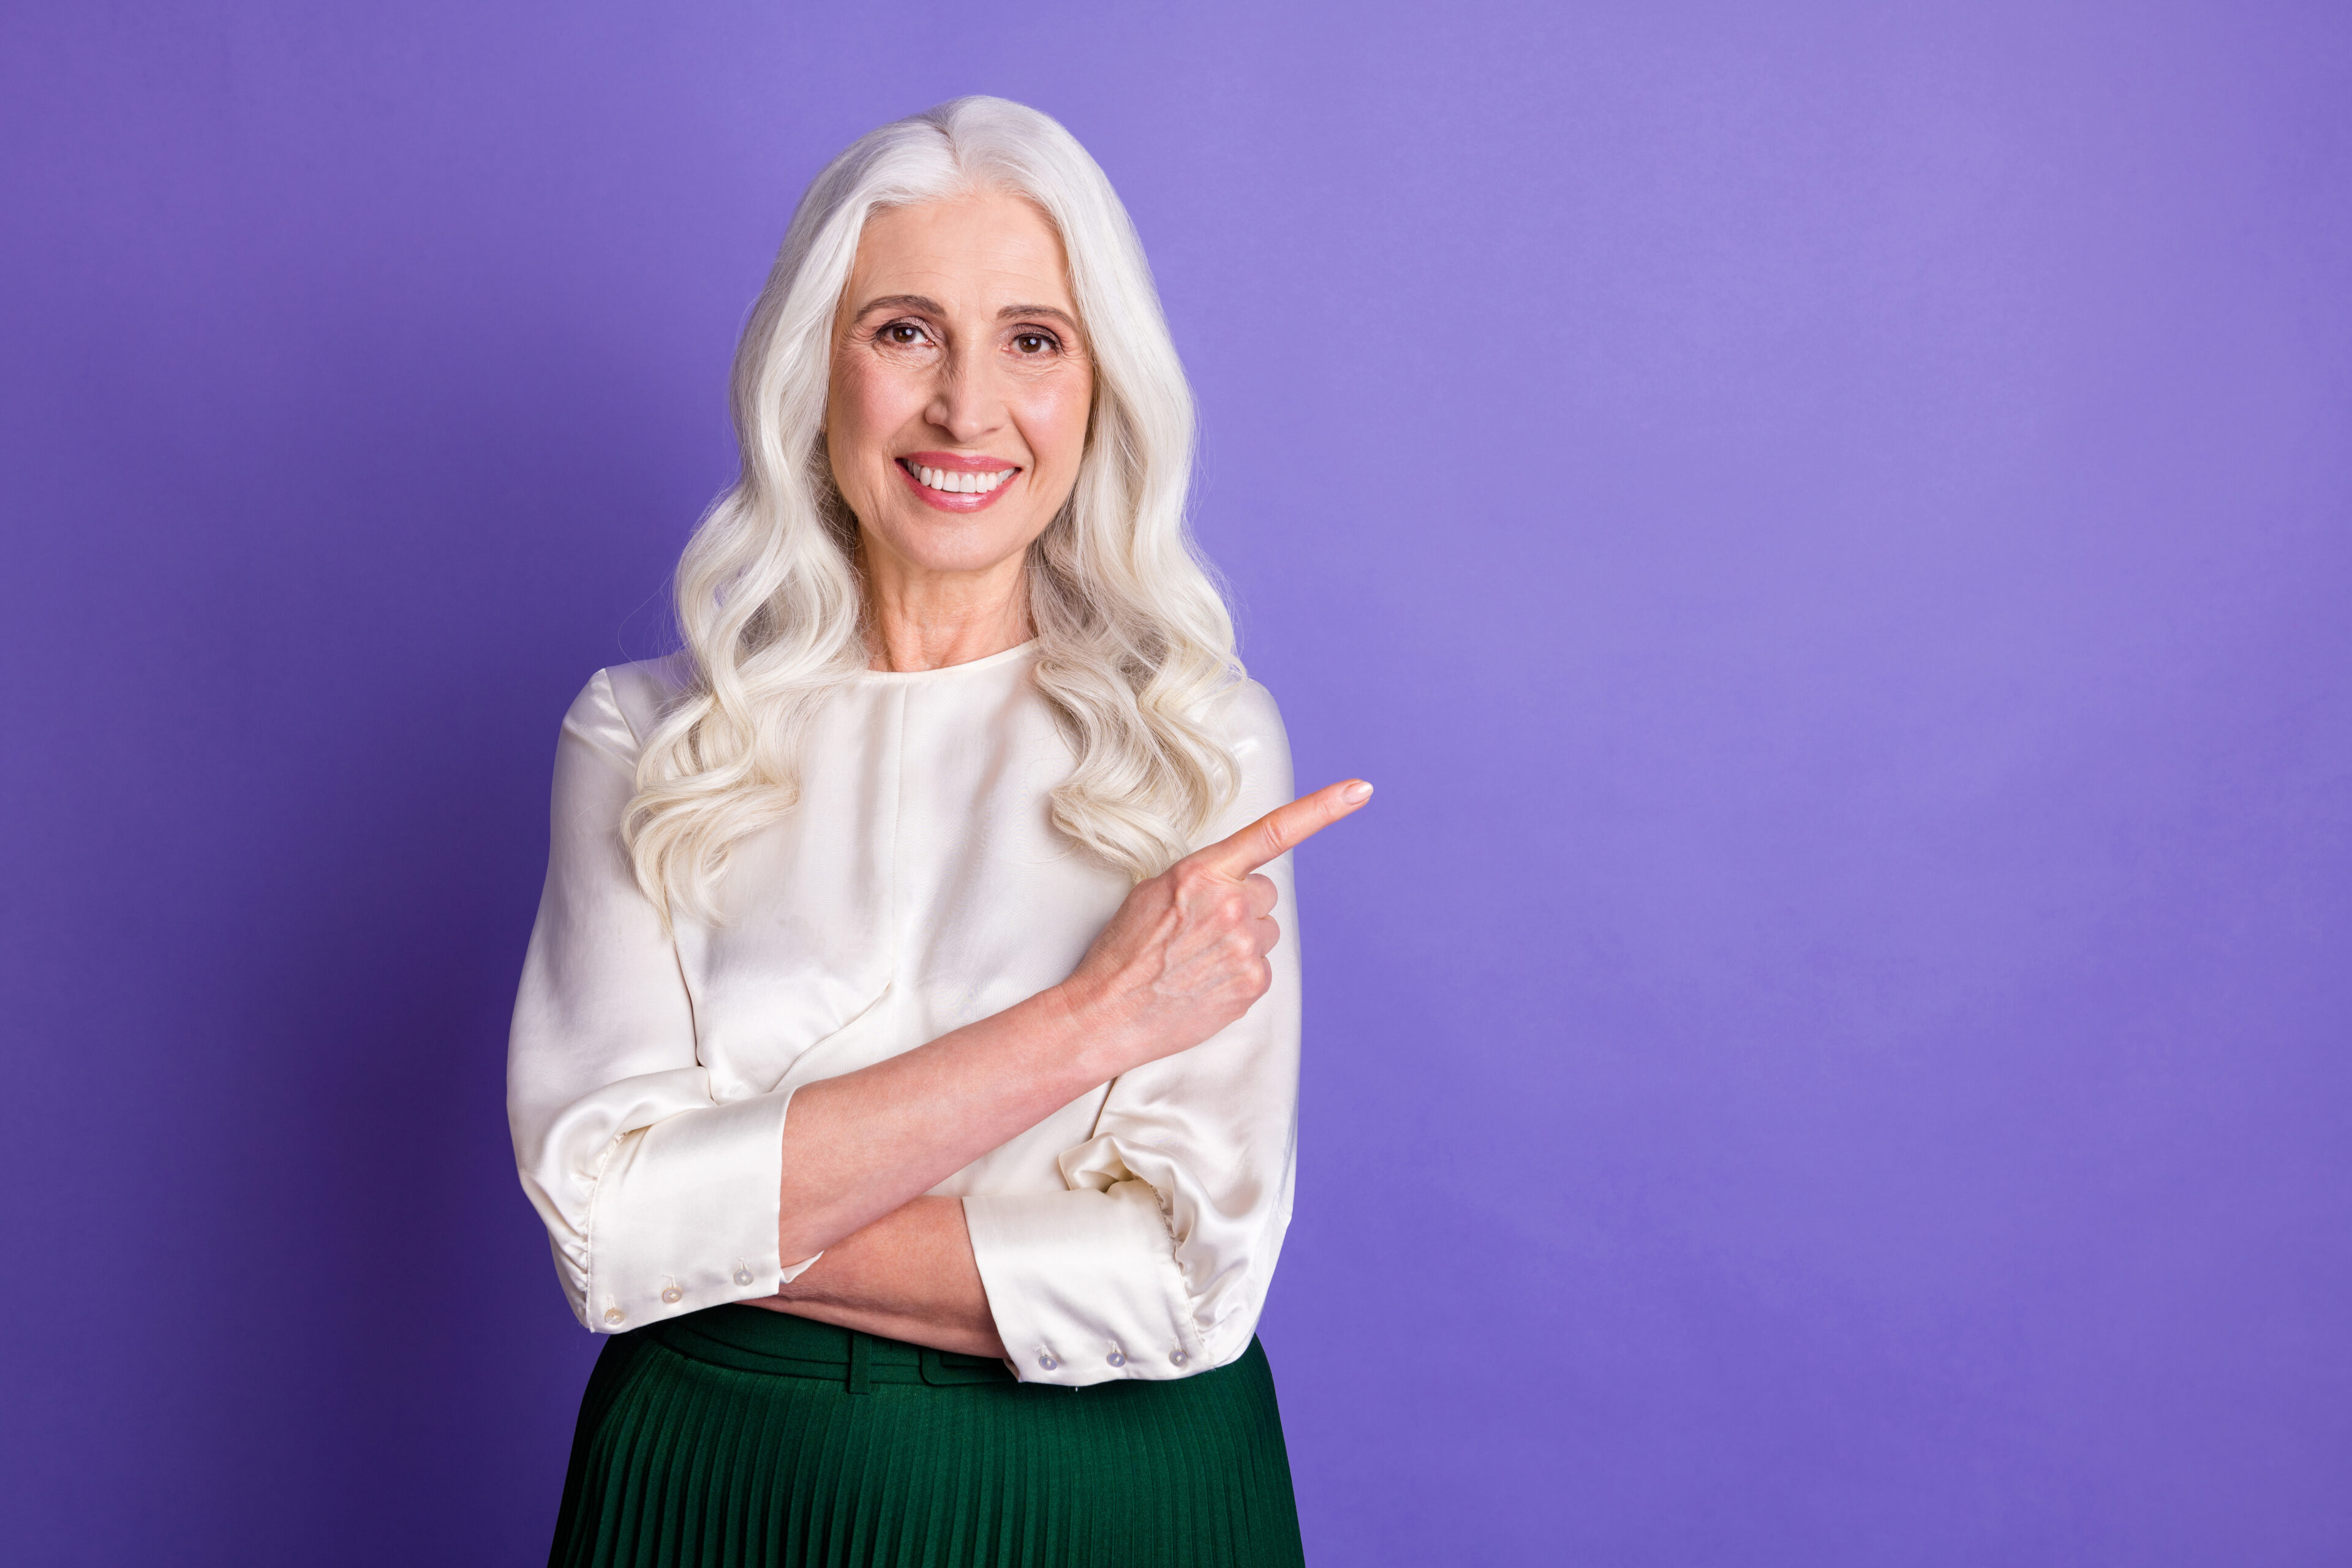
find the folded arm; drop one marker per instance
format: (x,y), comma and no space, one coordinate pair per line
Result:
(907,1276)
(638,1162)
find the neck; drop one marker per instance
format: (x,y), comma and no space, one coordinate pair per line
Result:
(928,620)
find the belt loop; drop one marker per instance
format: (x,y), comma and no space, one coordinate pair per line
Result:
(861,1363)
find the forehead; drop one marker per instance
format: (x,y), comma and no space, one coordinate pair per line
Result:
(970,252)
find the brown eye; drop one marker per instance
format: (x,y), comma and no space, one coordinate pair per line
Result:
(1032,342)
(902,335)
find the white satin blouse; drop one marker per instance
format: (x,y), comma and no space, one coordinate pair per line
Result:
(918,885)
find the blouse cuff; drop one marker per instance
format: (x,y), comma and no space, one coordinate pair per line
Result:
(685,1216)
(1084,1285)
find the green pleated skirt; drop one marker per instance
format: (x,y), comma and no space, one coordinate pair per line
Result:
(739,1436)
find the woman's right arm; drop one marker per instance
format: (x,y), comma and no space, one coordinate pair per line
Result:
(657,1195)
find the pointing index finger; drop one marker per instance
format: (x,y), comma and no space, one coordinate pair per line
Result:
(1282,829)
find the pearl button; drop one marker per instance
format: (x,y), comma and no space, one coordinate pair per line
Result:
(742,1274)
(1179,1358)
(1049,1363)
(673,1295)
(612,1314)
(1116,1359)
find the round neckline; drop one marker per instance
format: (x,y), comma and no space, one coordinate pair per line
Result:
(1004,655)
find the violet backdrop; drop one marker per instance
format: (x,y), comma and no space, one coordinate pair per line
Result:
(1830,524)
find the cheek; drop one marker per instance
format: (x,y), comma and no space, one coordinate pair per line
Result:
(865,407)
(1055,422)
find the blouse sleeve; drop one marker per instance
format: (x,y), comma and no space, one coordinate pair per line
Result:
(658,1199)
(1154,1260)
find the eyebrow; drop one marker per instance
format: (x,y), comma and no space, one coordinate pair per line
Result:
(926,303)
(901,302)
(1064,317)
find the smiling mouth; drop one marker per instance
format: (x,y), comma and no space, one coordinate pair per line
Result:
(951,482)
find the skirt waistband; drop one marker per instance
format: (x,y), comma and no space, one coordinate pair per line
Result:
(753,1338)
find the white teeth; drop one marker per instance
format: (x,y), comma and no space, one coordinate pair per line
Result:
(950,481)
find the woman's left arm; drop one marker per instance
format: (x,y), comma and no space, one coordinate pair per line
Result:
(1154,1261)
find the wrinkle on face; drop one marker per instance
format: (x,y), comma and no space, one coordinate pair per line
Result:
(959,336)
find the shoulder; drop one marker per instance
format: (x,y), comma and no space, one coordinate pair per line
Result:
(1245,718)
(623,703)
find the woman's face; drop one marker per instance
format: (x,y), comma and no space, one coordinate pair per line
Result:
(960,385)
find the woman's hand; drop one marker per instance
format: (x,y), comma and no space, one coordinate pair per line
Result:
(1186,955)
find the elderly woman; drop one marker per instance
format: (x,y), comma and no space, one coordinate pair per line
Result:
(906,1089)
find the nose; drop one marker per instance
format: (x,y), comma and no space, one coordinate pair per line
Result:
(965,407)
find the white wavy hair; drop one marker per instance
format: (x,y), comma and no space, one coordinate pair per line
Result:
(1134,638)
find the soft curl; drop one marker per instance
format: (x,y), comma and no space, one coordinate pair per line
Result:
(1134,640)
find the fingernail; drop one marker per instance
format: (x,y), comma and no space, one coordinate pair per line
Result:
(1357,793)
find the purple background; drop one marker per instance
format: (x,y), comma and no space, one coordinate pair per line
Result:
(1831,530)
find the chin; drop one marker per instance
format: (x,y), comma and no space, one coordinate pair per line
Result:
(930,543)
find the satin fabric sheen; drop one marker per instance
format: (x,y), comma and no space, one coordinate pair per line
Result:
(917,886)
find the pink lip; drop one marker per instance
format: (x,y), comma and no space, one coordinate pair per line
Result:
(954,463)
